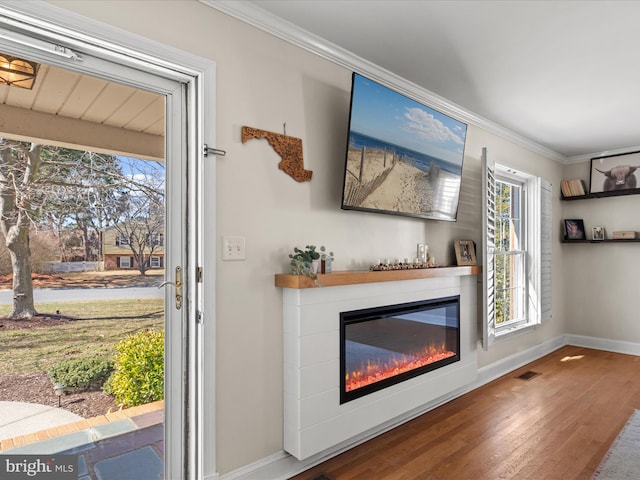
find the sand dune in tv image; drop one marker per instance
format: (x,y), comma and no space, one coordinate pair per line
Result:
(382,180)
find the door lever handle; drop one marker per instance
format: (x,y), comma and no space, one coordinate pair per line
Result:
(178,285)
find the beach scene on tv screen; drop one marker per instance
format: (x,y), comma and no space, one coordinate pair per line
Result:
(403,157)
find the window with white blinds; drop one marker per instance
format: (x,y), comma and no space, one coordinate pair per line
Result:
(517,220)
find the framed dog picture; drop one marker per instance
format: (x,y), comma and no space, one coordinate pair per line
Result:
(465,252)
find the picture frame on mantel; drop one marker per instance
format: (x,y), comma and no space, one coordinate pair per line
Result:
(465,252)
(615,173)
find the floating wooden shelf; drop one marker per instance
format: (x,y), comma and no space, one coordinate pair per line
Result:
(608,240)
(336,279)
(613,193)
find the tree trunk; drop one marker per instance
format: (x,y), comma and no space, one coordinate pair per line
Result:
(86,243)
(142,263)
(23,305)
(14,223)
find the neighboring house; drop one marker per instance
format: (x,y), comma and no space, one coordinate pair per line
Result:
(117,252)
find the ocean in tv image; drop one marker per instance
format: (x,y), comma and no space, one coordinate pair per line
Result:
(420,160)
(403,157)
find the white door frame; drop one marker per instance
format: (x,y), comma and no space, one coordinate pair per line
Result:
(186,431)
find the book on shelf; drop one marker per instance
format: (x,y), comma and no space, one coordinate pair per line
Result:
(572,188)
(624,235)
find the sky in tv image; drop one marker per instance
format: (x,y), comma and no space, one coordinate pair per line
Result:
(388,116)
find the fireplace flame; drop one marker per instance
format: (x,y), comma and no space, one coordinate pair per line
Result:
(374,371)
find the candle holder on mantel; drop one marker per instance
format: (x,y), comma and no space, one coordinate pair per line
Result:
(326,260)
(406,265)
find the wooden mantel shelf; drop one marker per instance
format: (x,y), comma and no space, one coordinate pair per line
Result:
(336,279)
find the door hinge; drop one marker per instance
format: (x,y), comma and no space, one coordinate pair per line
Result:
(199,275)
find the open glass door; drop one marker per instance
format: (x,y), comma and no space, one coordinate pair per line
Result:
(182,353)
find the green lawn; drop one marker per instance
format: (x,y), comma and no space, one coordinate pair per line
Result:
(99,326)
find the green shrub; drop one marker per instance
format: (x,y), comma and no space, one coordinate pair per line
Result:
(138,377)
(81,374)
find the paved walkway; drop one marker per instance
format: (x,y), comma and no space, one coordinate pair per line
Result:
(20,418)
(123,445)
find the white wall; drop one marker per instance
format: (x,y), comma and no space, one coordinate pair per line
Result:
(263,82)
(601,280)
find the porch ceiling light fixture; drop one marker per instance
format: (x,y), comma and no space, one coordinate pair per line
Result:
(17,72)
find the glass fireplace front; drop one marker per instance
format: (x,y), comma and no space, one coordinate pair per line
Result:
(382,346)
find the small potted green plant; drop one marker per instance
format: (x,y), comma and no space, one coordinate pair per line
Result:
(306,262)
(302,260)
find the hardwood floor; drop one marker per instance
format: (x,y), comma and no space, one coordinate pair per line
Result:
(557,425)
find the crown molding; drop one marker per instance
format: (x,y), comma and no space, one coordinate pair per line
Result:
(256,16)
(607,153)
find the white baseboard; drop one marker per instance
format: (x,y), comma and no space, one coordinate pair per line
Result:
(274,466)
(517,360)
(282,466)
(597,343)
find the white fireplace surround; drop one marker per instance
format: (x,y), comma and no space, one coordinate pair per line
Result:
(314,420)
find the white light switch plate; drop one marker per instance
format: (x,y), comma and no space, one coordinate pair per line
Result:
(233,248)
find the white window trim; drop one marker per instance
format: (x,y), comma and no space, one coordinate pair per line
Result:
(506,175)
(128,260)
(522,180)
(538,217)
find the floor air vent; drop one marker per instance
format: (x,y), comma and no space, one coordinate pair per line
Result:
(322,476)
(528,375)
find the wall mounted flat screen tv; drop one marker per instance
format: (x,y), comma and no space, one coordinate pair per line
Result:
(403,158)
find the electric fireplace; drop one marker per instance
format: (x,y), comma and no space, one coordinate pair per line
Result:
(382,346)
